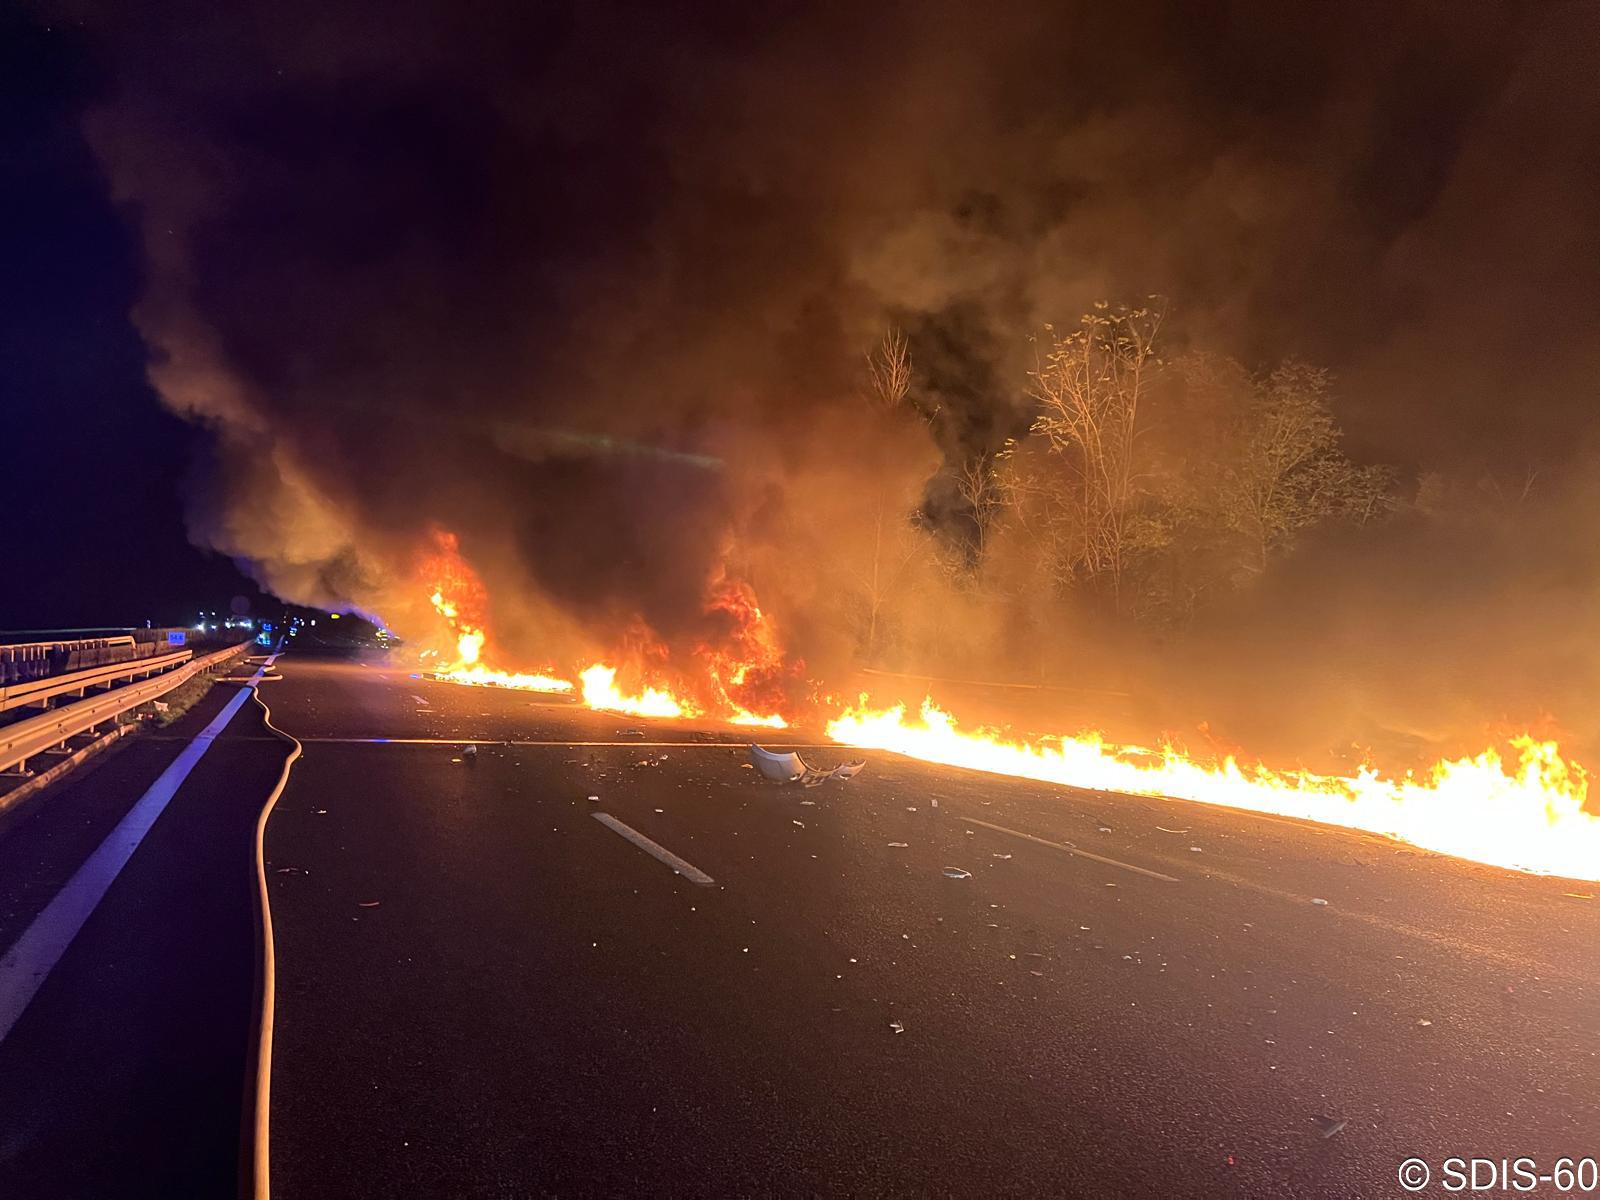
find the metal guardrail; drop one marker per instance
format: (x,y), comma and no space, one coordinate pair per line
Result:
(36,658)
(38,691)
(23,740)
(110,639)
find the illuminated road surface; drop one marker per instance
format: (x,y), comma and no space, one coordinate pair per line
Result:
(484,990)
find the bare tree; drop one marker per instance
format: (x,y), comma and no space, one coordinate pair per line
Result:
(895,545)
(980,490)
(1090,385)
(889,370)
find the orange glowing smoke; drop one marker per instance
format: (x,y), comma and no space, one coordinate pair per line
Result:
(1527,814)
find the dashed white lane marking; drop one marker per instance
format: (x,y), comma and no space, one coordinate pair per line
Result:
(690,872)
(1071,849)
(29,962)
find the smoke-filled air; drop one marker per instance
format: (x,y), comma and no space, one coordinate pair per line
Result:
(1184,400)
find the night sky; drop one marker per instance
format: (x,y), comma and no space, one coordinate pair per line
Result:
(93,531)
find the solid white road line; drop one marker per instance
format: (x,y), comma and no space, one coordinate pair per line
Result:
(29,962)
(464,741)
(1071,849)
(692,873)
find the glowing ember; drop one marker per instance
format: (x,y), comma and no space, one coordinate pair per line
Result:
(1528,816)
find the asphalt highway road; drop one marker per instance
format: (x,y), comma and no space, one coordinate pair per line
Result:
(484,990)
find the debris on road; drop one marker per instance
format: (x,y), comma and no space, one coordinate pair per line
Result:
(1319,902)
(291,871)
(791,768)
(470,751)
(1164,829)
(956,873)
(798,824)
(897,1026)
(1328,1126)
(1424,1022)
(594,799)
(1194,850)
(368,903)
(899,845)
(999,856)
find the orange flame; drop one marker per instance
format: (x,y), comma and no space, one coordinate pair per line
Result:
(458,597)
(1528,815)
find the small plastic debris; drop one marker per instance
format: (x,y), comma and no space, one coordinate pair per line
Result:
(798,824)
(1105,829)
(1164,829)
(936,802)
(594,799)
(911,808)
(470,751)
(1194,850)
(661,810)
(899,845)
(1578,895)
(367,903)
(1039,974)
(292,871)
(1319,902)
(321,812)
(999,856)
(1328,1126)
(808,804)
(791,768)
(455,760)
(956,873)
(1424,1022)
(897,1026)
